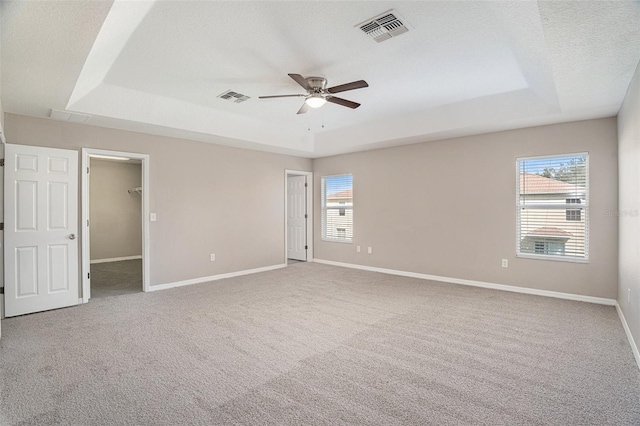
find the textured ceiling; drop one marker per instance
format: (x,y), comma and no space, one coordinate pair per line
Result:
(463,67)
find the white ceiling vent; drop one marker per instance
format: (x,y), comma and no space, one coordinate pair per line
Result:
(236,97)
(72,117)
(384,26)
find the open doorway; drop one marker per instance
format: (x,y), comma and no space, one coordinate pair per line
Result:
(115,231)
(115,235)
(298,217)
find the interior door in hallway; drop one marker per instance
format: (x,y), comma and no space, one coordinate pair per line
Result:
(41,227)
(297,217)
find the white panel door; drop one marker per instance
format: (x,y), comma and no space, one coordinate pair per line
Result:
(296,217)
(41,226)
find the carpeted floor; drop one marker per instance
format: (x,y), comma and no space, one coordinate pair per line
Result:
(315,344)
(116,278)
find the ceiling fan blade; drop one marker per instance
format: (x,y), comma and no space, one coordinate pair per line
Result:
(304,108)
(301,81)
(343,102)
(280,96)
(348,86)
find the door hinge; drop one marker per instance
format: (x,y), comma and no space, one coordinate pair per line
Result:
(306,247)
(1,290)
(305,216)
(306,184)
(1,162)
(2,226)
(87,170)
(88,275)
(87,222)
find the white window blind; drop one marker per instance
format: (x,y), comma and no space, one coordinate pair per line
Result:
(337,208)
(553,207)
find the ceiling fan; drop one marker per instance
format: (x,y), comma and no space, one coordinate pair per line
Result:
(318,93)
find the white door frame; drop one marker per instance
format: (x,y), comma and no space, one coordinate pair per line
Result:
(309,222)
(86,267)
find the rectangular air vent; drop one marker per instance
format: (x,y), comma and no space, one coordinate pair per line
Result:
(383,27)
(236,97)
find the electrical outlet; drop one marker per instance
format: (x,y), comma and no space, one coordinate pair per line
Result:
(153,217)
(369,250)
(628,295)
(358,249)
(505,263)
(212,257)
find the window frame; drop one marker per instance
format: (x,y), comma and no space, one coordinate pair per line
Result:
(573,214)
(342,211)
(584,207)
(547,246)
(324,209)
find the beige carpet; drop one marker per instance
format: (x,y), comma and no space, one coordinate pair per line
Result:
(316,344)
(116,278)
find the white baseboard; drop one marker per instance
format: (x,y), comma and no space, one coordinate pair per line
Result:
(627,330)
(503,287)
(116,259)
(215,277)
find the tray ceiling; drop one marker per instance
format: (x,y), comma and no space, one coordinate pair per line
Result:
(462,68)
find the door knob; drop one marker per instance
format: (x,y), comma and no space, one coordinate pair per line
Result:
(72,236)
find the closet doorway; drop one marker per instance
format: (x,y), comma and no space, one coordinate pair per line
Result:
(115,237)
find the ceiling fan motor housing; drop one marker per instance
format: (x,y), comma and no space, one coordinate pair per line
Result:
(317,84)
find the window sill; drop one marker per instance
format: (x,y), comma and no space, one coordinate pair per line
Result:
(552,258)
(334,240)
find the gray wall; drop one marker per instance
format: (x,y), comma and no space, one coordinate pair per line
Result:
(208,198)
(116,214)
(629,212)
(447,208)
(442,208)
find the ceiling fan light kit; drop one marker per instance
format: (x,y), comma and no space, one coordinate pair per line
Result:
(315,101)
(318,94)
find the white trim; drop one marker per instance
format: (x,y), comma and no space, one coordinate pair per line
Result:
(215,277)
(3,139)
(333,240)
(146,258)
(503,287)
(115,259)
(109,157)
(554,258)
(309,224)
(627,330)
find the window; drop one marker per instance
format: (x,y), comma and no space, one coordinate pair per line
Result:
(573,214)
(546,226)
(337,208)
(549,247)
